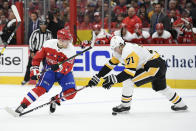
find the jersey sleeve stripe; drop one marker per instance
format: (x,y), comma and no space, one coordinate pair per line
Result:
(114,60)
(109,66)
(149,73)
(130,72)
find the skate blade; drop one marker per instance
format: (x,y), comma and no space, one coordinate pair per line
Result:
(116,113)
(11,112)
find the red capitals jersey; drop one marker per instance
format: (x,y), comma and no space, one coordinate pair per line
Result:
(188,36)
(54,55)
(165,38)
(102,38)
(144,38)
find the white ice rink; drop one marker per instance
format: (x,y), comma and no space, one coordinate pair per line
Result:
(91,111)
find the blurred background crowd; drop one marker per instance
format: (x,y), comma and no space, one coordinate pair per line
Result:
(173,14)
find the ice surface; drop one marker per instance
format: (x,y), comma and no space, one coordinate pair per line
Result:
(91,111)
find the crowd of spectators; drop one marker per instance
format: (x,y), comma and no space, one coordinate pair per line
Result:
(129,12)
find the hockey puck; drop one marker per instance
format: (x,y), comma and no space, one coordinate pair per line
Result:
(114,113)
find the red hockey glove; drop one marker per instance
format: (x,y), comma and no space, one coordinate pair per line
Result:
(34,73)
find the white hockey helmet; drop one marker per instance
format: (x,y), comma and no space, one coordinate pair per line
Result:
(116,41)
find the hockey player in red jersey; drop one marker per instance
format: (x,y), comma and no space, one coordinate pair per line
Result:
(101,36)
(54,51)
(140,36)
(161,36)
(187,32)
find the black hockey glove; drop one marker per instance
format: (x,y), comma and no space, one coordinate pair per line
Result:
(94,81)
(54,67)
(109,81)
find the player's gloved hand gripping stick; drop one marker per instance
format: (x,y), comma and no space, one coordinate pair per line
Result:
(15,11)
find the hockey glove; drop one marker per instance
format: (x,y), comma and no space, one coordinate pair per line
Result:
(84,44)
(94,81)
(109,81)
(34,73)
(54,67)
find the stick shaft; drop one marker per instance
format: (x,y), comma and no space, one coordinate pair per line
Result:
(45,104)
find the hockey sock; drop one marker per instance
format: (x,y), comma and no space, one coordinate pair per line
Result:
(33,95)
(172,96)
(64,94)
(127,93)
(126,100)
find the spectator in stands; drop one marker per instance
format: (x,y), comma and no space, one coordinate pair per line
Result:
(121,8)
(3,22)
(143,16)
(193,15)
(1,11)
(90,11)
(97,20)
(189,6)
(9,28)
(152,11)
(98,6)
(100,36)
(117,24)
(161,36)
(55,23)
(6,8)
(34,23)
(124,33)
(149,7)
(187,32)
(157,17)
(134,4)
(140,36)
(86,24)
(179,22)
(131,20)
(173,6)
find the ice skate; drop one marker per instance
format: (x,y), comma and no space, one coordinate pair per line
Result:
(120,109)
(176,108)
(18,110)
(53,105)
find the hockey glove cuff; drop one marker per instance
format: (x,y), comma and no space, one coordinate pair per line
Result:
(109,81)
(54,67)
(94,81)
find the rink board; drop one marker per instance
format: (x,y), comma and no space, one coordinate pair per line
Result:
(181,61)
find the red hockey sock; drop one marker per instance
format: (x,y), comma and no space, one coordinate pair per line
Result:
(33,95)
(64,94)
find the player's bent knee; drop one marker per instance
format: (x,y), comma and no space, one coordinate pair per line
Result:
(71,90)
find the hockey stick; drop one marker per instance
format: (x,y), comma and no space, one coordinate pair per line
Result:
(15,11)
(43,105)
